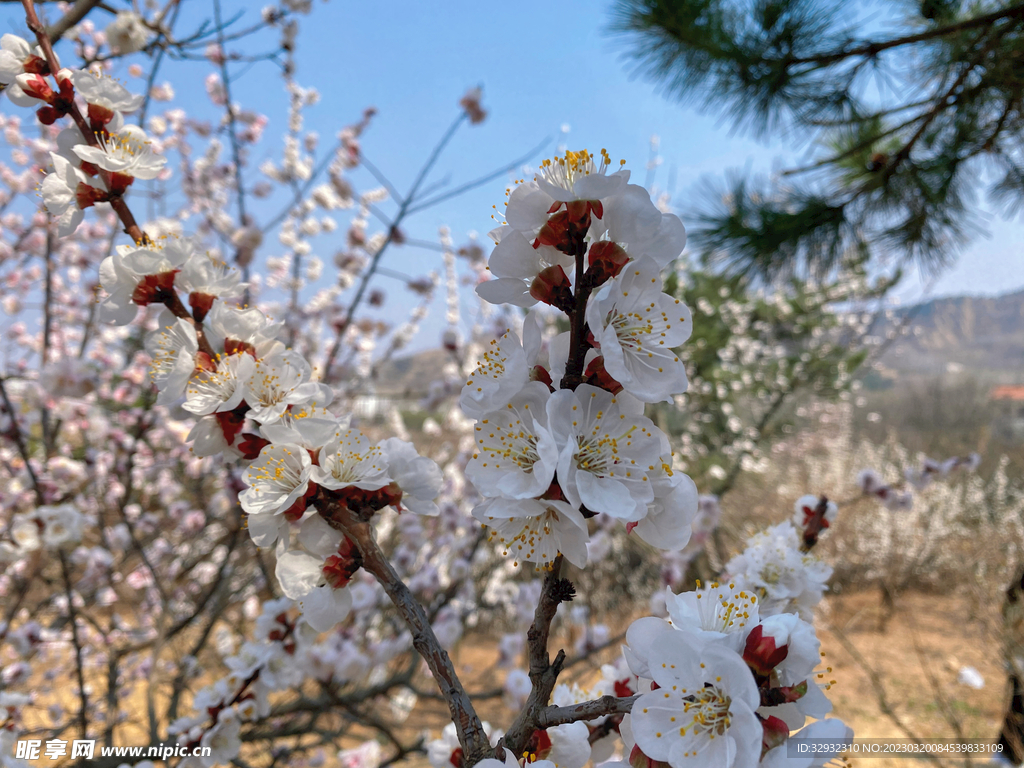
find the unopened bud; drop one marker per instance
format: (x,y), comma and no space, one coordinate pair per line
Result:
(552,286)
(606,260)
(761,653)
(596,375)
(154,288)
(338,569)
(775,732)
(566,229)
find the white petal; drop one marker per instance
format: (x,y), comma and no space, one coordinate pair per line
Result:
(325,606)
(527,207)
(668,522)
(506,290)
(298,573)
(316,535)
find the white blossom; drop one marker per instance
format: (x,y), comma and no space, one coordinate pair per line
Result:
(785,578)
(636,327)
(127,152)
(302,578)
(277,478)
(60,193)
(173,351)
(222,389)
(704,707)
(106,92)
(418,477)
(351,460)
(503,370)
(204,274)
(127,33)
(535,530)
(17,57)
(279,382)
(717,613)
(515,454)
(607,451)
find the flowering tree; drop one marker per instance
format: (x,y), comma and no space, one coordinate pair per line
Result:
(369,558)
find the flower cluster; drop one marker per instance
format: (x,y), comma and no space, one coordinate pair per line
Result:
(776,569)
(871,483)
(729,682)
(561,442)
(45,527)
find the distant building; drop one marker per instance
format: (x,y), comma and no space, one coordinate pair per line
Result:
(1008,400)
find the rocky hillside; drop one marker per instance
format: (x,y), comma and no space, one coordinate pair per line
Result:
(981,335)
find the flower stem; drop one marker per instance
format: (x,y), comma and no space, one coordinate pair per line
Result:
(578,319)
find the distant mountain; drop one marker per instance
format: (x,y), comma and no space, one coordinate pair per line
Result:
(411,375)
(982,335)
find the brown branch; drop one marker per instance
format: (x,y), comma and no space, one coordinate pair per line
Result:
(76,13)
(49,438)
(946,101)
(578,321)
(588,710)
(83,711)
(467,723)
(543,672)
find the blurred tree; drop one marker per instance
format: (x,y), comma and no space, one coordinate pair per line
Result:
(898,158)
(752,352)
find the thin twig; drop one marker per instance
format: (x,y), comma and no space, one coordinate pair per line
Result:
(871,50)
(20,442)
(403,211)
(236,151)
(83,716)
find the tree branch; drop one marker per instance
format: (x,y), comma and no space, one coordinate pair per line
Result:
(873,49)
(588,710)
(543,672)
(75,14)
(467,723)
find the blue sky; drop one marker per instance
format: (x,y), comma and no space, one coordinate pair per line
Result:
(543,65)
